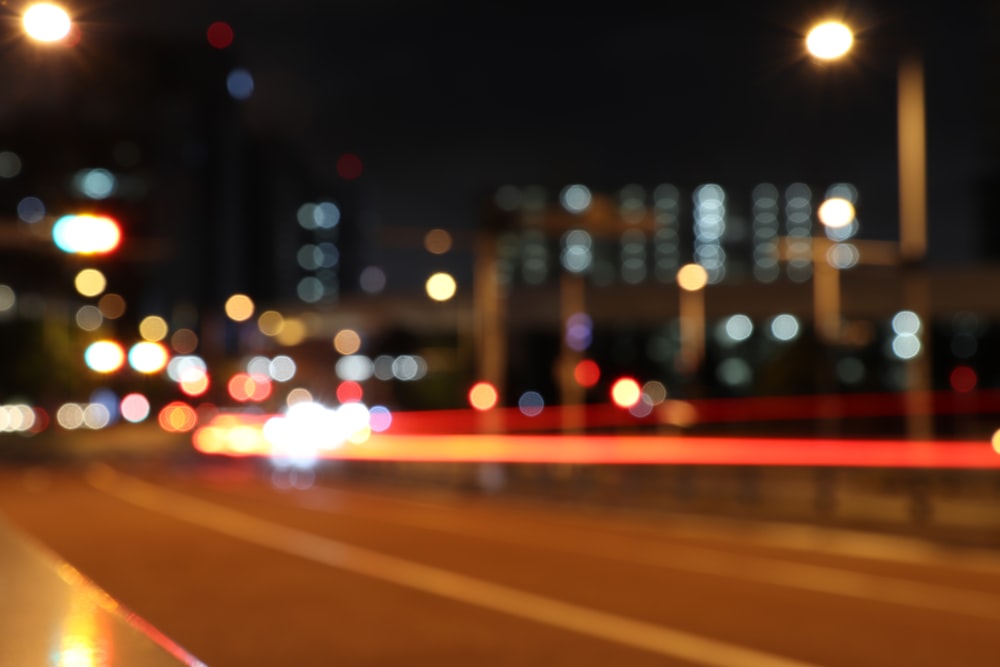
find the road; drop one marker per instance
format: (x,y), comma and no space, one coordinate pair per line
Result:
(242,572)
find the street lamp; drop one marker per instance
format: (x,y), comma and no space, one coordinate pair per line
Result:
(911,136)
(829,40)
(46,22)
(692,278)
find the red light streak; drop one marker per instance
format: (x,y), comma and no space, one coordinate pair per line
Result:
(653,449)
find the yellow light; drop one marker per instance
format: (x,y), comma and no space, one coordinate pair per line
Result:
(836,212)
(830,40)
(483,396)
(626,392)
(692,277)
(46,22)
(153,328)
(440,286)
(90,282)
(104,356)
(293,333)
(147,357)
(270,323)
(347,341)
(996,442)
(194,382)
(239,307)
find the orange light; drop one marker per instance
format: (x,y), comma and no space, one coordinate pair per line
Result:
(177,417)
(244,387)
(587,373)
(483,396)
(194,381)
(626,392)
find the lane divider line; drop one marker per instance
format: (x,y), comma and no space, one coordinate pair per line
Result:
(743,567)
(437,581)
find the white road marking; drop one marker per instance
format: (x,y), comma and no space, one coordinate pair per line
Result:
(436,581)
(744,567)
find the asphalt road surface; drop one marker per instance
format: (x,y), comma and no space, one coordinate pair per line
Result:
(240,572)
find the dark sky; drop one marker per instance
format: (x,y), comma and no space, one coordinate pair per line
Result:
(445,103)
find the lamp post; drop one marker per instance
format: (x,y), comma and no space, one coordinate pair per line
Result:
(829,41)
(691,279)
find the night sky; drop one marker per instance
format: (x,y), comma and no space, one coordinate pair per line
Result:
(444,103)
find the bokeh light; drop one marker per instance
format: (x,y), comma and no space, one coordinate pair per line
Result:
(220,35)
(31,210)
(239,307)
(372,279)
(90,282)
(785,327)
(86,234)
(440,286)
(148,357)
(587,373)
(692,277)
(575,198)
(625,392)
(112,306)
(298,395)
(239,83)
(437,241)
(483,396)
(184,341)
(10,164)
(293,333)
(655,390)
(347,341)
(349,166)
(379,418)
(349,392)
(531,404)
(89,318)
(963,379)
(244,387)
(836,212)
(271,322)
(8,298)
(194,381)
(153,328)
(104,356)
(177,417)
(95,183)
(134,408)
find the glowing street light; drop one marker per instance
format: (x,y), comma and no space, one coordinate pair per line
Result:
(692,278)
(440,286)
(46,22)
(836,212)
(829,40)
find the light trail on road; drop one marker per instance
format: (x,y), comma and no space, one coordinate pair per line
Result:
(241,572)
